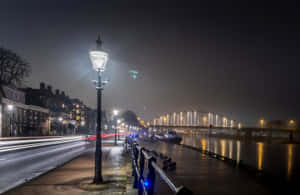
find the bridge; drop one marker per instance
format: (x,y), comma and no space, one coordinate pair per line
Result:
(208,123)
(195,119)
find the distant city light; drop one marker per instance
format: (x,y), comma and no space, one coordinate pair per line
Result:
(60,119)
(10,107)
(240,125)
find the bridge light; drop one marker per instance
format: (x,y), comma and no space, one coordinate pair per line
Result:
(204,120)
(262,122)
(240,125)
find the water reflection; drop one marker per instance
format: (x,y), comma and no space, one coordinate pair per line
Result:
(289,161)
(164,149)
(223,147)
(216,147)
(230,149)
(203,144)
(279,159)
(260,153)
(238,151)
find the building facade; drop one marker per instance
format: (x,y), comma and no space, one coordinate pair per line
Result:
(18,118)
(67,115)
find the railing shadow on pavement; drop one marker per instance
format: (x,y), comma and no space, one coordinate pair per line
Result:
(146,185)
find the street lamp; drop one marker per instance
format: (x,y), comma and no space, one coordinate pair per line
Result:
(292,123)
(118,123)
(262,122)
(115,113)
(99,60)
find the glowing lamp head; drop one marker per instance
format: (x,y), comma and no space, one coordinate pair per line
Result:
(115,112)
(99,60)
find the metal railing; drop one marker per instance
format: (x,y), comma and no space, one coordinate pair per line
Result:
(146,185)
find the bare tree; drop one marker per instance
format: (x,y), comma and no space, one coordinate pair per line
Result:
(13,69)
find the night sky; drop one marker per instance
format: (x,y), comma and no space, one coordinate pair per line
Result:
(240,60)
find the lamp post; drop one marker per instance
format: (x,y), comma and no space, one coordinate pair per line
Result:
(115,113)
(99,60)
(118,130)
(262,122)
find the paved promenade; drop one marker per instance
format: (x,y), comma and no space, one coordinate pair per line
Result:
(76,176)
(205,175)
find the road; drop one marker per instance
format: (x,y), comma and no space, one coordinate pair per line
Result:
(23,160)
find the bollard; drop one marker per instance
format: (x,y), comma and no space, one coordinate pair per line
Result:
(151,176)
(136,180)
(142,161)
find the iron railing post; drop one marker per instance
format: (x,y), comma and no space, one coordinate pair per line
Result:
(135,157)
(142,165)
(151,176)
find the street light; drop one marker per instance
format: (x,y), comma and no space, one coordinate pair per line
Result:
(292,123)
(118,123)
(262,122)
(99,60)
(115,113)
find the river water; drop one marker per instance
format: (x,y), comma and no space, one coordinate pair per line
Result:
(273,158)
